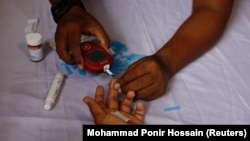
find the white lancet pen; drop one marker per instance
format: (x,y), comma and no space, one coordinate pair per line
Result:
(54,91)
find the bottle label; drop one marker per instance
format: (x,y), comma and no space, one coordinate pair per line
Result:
(36,53)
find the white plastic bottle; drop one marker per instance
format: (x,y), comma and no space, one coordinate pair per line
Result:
(35,46)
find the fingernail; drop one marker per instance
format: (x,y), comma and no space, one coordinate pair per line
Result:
(80,66)
(85,100)
(120,91)
(117,86)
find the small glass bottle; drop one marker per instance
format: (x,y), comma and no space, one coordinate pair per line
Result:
(35,46)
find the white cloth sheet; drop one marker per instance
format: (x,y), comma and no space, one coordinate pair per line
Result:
(212,90)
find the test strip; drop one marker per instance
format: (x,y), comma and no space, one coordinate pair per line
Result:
(121,116)
(107,70)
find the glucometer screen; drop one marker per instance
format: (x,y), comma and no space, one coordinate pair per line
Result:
(96,56)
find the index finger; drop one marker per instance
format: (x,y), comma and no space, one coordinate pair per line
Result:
(61,46)
(103,38)
(129,78)
(131,73)
(104,42)
(74,45)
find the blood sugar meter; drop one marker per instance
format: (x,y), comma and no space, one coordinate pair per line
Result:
(96,59)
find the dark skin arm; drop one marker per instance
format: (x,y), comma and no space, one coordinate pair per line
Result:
(71,26)
(195,36)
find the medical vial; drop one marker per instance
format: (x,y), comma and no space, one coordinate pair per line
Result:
(35,46)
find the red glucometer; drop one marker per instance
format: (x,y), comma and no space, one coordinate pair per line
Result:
(96,59)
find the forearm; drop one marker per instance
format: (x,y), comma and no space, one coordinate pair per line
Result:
(196,36)
(60,8)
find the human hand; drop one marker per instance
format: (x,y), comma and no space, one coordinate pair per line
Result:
(102,111)
(70,27)
(148,77)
